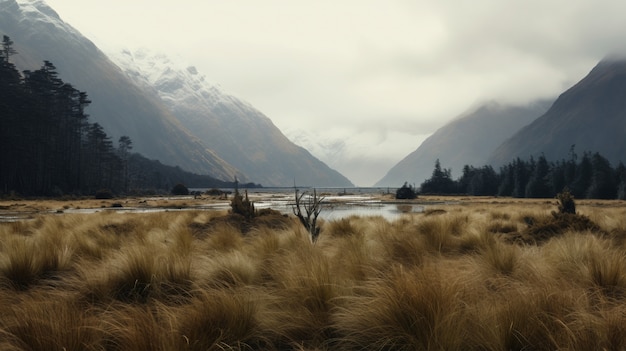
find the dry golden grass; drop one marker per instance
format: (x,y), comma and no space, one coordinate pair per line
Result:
(448,279)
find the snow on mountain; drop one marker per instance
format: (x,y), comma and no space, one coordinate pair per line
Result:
(237,131)
(182,86)
(39,12)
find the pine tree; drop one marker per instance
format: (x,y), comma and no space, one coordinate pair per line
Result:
(538,185)
(7,49)
(440,182)
(582,181)
(11,105)
(507,180)
(602,185)
(125,145)
(520,176)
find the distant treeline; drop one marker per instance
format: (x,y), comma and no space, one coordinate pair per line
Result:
(48,146)
(589,176)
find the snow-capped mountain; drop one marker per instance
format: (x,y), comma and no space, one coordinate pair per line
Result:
(168,111)
(237,131)
(118,104)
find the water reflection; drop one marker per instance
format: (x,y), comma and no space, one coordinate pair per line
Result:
(390,212)
(333,208)
(338,210)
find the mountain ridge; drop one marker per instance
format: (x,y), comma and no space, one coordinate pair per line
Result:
(124,107)
(236,130)
(40,34)
(590,115)
(466,140)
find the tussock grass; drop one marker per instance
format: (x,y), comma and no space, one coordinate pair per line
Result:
(231,270)
(138,274)
(220,319)
(137,327)
(41,321)
(452,280)
(342,227)
(409,309)
(25,261)
(225,237)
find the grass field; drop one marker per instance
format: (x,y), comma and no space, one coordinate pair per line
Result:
(484,274)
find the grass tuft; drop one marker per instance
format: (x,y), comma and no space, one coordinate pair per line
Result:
(193,281)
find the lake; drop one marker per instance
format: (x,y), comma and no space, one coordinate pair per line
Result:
(338,203)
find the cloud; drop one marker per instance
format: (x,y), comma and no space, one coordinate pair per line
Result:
(370,68)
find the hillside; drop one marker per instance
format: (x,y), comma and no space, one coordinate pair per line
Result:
(467,140)
(118,105)
(590,115)
(238,132)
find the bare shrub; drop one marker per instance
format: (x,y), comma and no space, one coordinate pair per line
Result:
(312,206)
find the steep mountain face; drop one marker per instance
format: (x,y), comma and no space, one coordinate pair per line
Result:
(467,140)
(590,115)
(237,131)
(119,105)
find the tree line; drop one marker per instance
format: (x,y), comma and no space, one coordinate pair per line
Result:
(588,176)
(48,146)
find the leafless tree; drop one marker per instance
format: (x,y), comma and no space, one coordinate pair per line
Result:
(312,206)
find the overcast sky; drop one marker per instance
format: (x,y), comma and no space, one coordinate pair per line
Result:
(382,74)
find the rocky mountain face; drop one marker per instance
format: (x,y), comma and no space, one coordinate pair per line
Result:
(591,115)
(117,104)
(467,140)
(172,116)
(238,132)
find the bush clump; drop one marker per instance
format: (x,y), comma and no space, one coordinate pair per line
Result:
(180,189)
(214,192)
(406,192)
(542,229)
(241,205)
(566,202)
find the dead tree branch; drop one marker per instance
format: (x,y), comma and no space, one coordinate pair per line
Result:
(312,208)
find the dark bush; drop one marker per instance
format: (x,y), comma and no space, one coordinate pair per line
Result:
(180,189)
(542,229)
(242,205)
(566,202)
(406,192)
(214,192)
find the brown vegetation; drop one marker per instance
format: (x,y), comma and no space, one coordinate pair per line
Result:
(193,281)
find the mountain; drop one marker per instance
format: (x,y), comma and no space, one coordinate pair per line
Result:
(120,106)
(238,132)
(467,140)
(590,115)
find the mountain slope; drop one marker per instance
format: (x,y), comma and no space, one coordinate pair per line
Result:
(238,132)
(467,140)
(590,115)
(117,104)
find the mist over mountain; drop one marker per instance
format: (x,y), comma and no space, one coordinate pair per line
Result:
(467,140)
(238,132)
(591,116)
